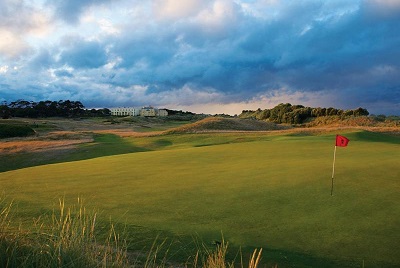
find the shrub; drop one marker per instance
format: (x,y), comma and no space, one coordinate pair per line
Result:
(9,131)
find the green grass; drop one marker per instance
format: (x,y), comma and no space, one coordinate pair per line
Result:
(260,191)
(102,145)
(109,144)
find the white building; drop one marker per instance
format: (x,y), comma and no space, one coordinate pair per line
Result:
(152,112)
(162,112)
(145,111)
(125,111)
(148,111)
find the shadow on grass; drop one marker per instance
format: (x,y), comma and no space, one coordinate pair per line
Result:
(163,143)
(373,137)
(103,145)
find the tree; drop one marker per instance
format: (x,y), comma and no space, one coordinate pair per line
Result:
(348,112)
(277,114)
(4,111)
(360,112)
(263,115)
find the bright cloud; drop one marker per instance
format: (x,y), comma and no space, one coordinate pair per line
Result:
(3,69)
(173,9)
(11,45)
(219,14)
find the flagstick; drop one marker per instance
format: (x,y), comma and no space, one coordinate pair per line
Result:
(333,169)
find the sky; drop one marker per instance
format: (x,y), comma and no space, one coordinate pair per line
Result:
(204,56)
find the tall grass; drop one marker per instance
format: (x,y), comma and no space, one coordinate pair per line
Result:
(69,238)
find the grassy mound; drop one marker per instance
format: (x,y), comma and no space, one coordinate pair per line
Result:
(225,124)
(14,130)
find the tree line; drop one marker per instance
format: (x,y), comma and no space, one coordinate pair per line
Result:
(61,108)
(297,114)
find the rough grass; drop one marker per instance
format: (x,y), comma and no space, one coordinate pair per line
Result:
(261,190)
(225,124)
(351,121)
(67,239)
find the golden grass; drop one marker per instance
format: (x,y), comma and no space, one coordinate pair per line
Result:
(50,141)
(216,258)
(11,147)
(218,124)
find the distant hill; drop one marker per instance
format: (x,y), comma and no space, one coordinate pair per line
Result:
(226,124)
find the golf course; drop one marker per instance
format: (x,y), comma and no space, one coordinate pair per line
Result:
(253,189)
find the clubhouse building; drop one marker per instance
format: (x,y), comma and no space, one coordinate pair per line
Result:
(148,111)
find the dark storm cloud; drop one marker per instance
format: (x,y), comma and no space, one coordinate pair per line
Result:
(151,50)
(84,55)
(43,59)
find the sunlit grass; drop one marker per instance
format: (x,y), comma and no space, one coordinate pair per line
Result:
(269,191)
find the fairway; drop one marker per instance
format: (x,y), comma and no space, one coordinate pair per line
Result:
(269,191)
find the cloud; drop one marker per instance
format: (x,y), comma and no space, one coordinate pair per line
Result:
(145,49)
(12,45)
(328,47)
(4,69)
(220,15)
(70,11)
(264,100)
(382,9)
(19,22)
(219,53)
(63,73)
(43,59)
(82,54)
(175,10)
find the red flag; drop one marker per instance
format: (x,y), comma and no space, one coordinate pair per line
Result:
(341,141)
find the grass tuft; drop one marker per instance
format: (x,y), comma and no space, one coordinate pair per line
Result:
(217,258)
